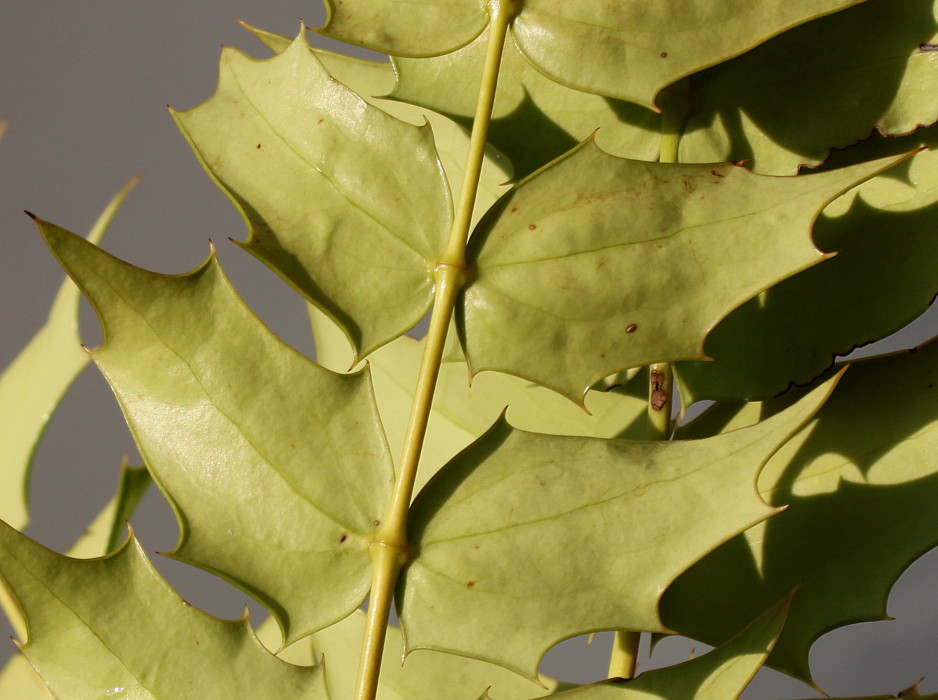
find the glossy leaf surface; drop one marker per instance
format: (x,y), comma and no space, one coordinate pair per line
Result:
(596,263)
(535,119)
(882,277)
(349,205)
(627,49)
(860,483)
(277,469)
(164,649)
(526,539)
(34,384)
(721,674)
(791,100)
(425,675)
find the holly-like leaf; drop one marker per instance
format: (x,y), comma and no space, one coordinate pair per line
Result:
(277,469)
(370,79)
(595,263)
(860,483)
(137,637)
(34,384)
(18,679)
(882,277)
(534,119)
(546,537)
(347,204)
(721,674)
(791,100)
(462,412)
(426,675)
(626,49)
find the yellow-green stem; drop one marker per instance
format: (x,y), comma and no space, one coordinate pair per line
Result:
(389,548)
(674,103)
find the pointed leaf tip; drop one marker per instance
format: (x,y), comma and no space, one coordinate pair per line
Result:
(351,212)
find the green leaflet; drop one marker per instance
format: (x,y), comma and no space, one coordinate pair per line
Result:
(596,263)
(789,101)
(860,483)
(18,680)
(628,49)
(461,413)
(347,204)
(165,649)
(526,539)
(277,469)
(722,674)
(425,675)
(535,118)
(883,276)
(34,384)
(369,79)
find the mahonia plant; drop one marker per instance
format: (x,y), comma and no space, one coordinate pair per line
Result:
(609,211)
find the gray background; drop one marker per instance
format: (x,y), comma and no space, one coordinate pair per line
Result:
(84,86)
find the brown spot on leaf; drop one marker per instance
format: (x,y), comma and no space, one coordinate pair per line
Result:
(664,54)
(658,399)
(258,145)
(343,538)
(717,173)
(631,328)
(531,227)
(470,584)
(376,523)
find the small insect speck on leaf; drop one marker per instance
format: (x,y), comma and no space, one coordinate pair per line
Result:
(531,227)
(664,54)
(928,47)
(343,538)
(631,328)
(258,145)
(470,584)
(376,523)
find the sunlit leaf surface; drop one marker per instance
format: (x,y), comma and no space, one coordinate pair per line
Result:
(277,468)
(721,674)
(526,539)
(349,205)
(630,49)
(137,638)
(860,483)
(596,263)
(826,84)
(883,276)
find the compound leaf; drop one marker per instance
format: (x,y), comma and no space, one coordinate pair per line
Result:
(882,277)
(346,203)
(526,539)
(790,101)
(34,384)
(277,468)
(535,119)
(628,49)
(164,649)
(720,674)
(427,675)
(860,482)
(595,263)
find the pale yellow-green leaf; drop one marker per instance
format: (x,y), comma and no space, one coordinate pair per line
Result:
(462,412)
(860,483)
(630,49)
(136,637)
(346,203)
(277,468)
(595,263)
(794,331)
(534,119)
(18,679)
(826,84)
(34,384)
(426,675)
(405,27)
(526,539)
(721,674)
(372,79)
